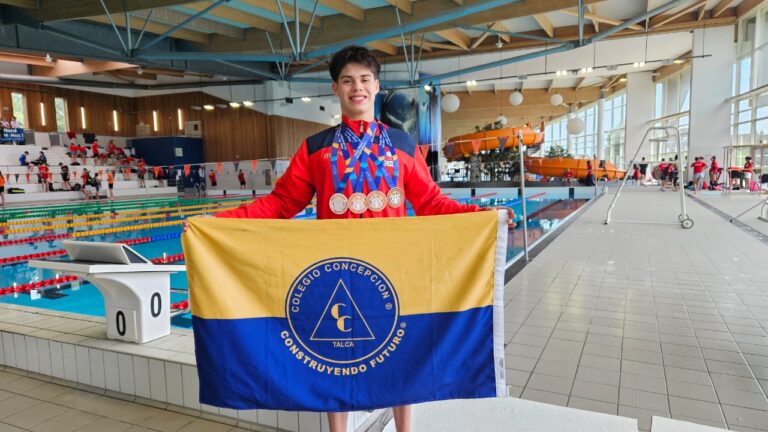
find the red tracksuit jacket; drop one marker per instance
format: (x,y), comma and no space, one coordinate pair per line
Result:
(309,173)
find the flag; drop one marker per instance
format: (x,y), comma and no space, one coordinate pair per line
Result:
(254,164)
(187,169)
(218,167)
(352,314)
(476,146)
(502,142)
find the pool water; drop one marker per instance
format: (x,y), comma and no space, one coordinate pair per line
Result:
(83,298)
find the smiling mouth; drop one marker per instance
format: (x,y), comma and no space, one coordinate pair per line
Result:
(358,98)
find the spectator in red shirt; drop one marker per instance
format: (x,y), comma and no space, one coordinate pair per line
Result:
(663,173)
(212,178)
(82,152)
(568,176)
(698,173)
(72,151)
(747,173)
(45,173)
(241,179)
(714,173)
(95,149)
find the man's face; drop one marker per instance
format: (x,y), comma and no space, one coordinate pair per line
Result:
(356,90)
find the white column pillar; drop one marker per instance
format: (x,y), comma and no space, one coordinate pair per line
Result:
(569,138)
(640,91)
(601,127)
(710,87)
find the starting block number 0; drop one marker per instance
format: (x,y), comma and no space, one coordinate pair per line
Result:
(123,324)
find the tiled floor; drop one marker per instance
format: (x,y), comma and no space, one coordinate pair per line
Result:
(642,319)
(29,404)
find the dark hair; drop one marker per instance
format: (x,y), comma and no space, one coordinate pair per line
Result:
(353,54)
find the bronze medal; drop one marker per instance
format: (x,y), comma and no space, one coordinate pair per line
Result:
(338,203)
(357,203)
(395,197)
(377,201)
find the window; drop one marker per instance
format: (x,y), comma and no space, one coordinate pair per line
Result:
(19,106)
(60,107)
(42,114)
(659,105)
(115,124)
(155,125)
(180,117)
(82,117)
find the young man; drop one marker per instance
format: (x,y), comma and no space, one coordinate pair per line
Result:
(663,173)
(241,179)
(212,178)
(64,177)
(318,167)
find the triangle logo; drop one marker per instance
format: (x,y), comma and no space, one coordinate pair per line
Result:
(341,319)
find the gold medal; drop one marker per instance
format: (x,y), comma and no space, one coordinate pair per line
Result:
(338,203)
(357,203)
(395,197)
(377,201)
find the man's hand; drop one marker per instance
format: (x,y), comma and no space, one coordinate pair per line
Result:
(510,213)
(184,226)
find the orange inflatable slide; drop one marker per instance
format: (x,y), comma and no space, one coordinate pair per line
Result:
(555,167)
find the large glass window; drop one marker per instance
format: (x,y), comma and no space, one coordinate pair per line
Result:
(62,122)
(19,106)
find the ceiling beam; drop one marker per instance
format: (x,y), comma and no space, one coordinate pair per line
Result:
(133,74)
(702,12)
(660,20)
(456,37)
(579,83)
(25,59)
(157,28)
(746,7)
(601,19)
(545,24)
(551,85)
(271,6)
(55,10)
(205,25)
(344,7)
(403,5)
(338,29)
(239,16)
(502,28)
(592,9)
(62,68)
(722,6)
(384,47)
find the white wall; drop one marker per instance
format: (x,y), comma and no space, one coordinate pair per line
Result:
(710,87)
(640,93)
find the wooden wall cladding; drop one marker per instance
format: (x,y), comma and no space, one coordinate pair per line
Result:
(286,134)
(98,109)
(228,134)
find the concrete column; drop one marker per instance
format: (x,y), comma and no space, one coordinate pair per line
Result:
(569,139)
(601,127)
(640,91)
(710,87)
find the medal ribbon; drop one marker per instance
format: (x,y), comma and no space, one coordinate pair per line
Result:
(349,175)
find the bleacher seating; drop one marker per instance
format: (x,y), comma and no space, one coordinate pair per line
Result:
(16,176)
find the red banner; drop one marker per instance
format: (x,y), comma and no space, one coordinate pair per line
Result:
(254,164)
(218,167)
(187,168)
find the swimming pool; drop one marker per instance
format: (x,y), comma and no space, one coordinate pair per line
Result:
(152,228)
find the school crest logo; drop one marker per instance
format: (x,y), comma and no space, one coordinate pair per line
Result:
(342,312)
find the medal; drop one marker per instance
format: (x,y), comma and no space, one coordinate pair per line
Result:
(357,203)
(395,197)
(377,201)
(338,203)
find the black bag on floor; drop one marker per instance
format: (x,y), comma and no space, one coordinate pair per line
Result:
(15,190)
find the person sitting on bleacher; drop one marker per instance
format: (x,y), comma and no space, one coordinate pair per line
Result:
(42,159)
(23,159)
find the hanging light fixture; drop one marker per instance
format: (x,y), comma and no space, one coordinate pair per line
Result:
(502,120)
(556,99)
(450,103)
(516,98)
